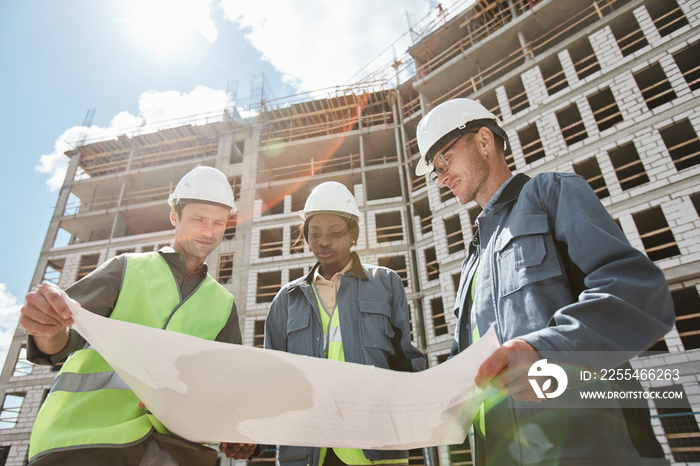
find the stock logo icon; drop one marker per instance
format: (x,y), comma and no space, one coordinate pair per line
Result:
(543,369)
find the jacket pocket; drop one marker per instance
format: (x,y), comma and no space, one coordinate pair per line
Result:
(299,339)
(376,325)
(525,254)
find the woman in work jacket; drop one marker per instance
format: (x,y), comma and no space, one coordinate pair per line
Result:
(342,310)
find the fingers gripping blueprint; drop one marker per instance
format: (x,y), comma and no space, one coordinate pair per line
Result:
(210,392)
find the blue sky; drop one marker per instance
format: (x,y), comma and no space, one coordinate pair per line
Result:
(136,61)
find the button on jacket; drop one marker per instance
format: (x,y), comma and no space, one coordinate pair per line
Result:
(556,271)
(374,323)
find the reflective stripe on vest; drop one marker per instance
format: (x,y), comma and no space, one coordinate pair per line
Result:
(333,349)
(89,405)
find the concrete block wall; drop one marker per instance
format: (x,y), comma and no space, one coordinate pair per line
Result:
(691,10)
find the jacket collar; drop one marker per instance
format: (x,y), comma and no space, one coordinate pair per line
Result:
(512,189)
(508,192)
(356,270)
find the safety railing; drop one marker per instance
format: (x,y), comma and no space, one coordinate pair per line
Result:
(305,169)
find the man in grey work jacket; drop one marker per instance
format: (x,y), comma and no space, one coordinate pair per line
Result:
(551,271)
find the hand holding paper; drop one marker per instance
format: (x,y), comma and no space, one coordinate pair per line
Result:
(195,388)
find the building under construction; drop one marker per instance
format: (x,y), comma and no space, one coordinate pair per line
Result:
(609,89)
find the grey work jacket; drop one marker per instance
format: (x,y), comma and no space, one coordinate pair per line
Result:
(374,324)
(556,271)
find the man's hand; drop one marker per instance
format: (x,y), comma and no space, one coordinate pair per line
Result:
(238,451)
(510,379)
(45,316)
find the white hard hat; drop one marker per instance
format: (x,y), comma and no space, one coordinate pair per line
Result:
(204,184)
(445,122)
(333,198)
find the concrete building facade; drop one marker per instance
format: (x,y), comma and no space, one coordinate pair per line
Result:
(608,89)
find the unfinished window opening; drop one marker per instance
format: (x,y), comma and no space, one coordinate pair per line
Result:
(553,75)
(425,215)
(605,110)
(510,159)
(231,224)
(259,333)
(666,15)
(119,252)
(531,143)
(584,59)
(87,264)
(679,424)
(453,233)
(4,454)
(686,303)
(378,188)
(54,269)
(688,63)
(272,207)
(237,152)
(590,170)
(628,166)
(440,358)
(23,366)
(682,143)
(474,213)
(63,238)
(271,242)
(416,458)
(11,407)
(517,98)
(432,268)
(658,239)
(296,240)
(410,322)
(295,273)
(398,265)
(571,124)
(654,85)
(617,222)
(490,101)
(445,194)
(461,454)
(235,182)
(659,347)
(418,181)
(438,314)
(628,34)
(695,199)
(225,271)
(268,285)
(389,227)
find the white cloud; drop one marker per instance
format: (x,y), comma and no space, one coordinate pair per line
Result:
(318,44)
(9,316)
(156,110)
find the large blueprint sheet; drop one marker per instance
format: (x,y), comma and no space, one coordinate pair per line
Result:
(211,392)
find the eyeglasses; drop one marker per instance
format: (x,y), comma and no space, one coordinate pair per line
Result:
(440,163)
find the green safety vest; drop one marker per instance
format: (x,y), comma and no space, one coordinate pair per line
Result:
(333,349)
(89,405)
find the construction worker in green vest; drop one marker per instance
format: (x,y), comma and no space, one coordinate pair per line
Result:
(90,416)
(342,310)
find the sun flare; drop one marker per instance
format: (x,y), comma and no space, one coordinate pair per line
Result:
(164,25)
